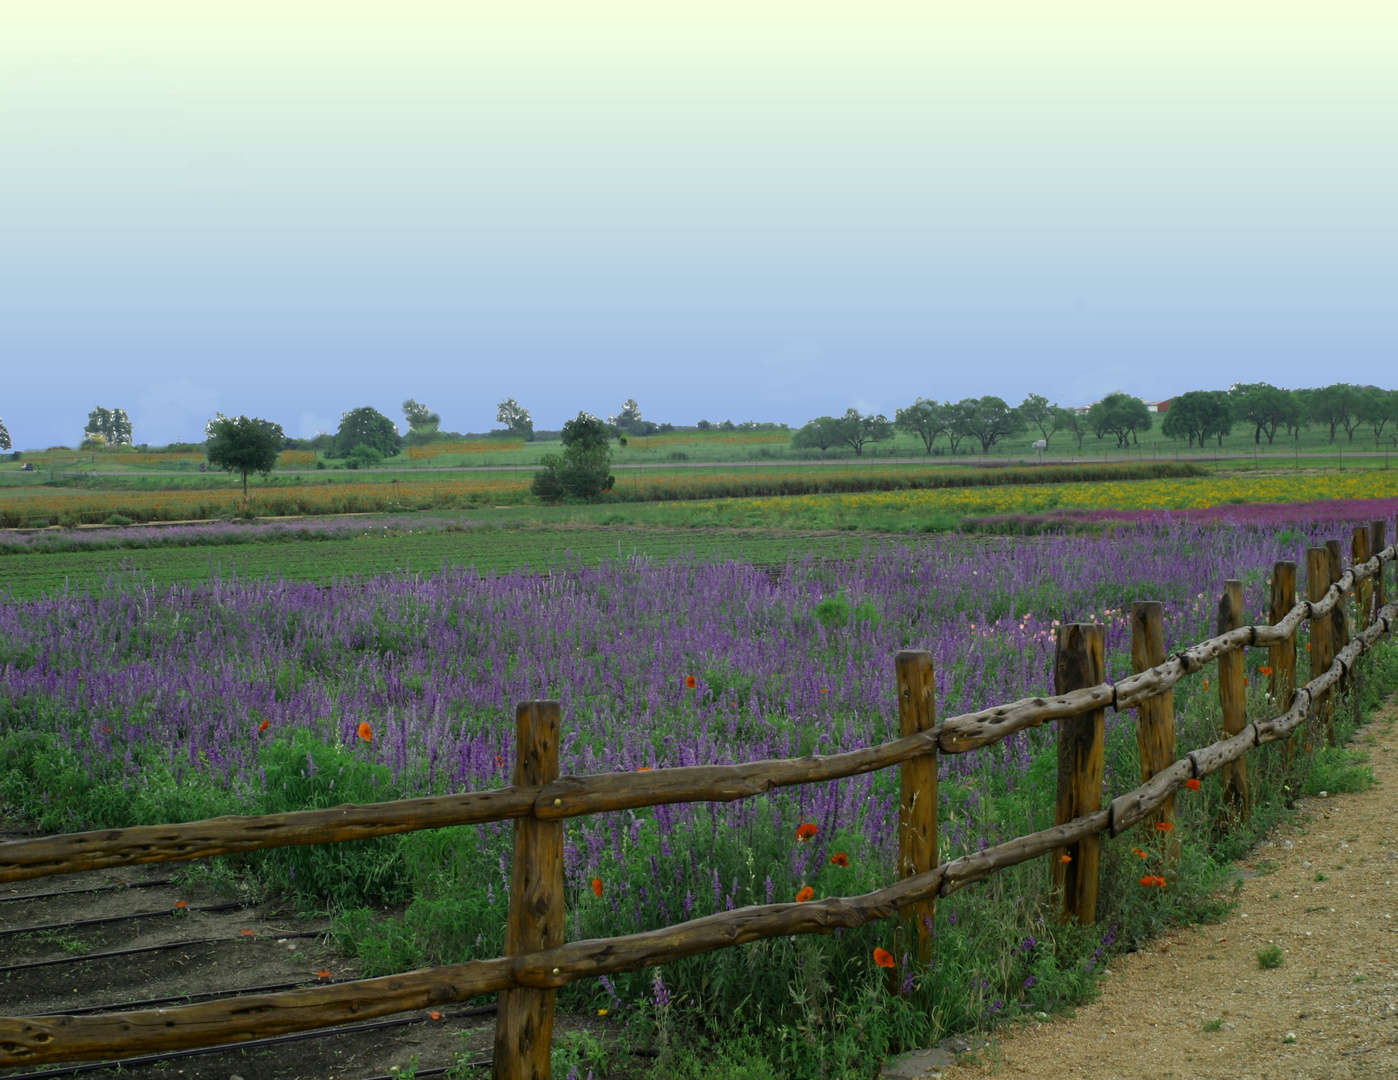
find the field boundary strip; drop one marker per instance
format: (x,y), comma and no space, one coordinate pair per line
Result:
(538,961)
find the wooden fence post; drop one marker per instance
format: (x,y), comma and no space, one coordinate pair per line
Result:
(1155,716)
(1340,617)
(1377,542)
(917,808)
(524,1025)
(1233,697)
(1281,658)
(1364,591)
(1321,645)
(1079,662)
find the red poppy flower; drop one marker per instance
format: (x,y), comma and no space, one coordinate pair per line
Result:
(839,859)
(366,732)
(805,894)
(643,768)
(1192,783)
(181,905)
(884,958)
(434,1015)
(1065,858)
(1264,670)
(806,832)
(825,689)
(499,762)
(1164,826)
(323,976)
(690,682)
(264,726)
(1138,851)
(245,933)
(597,887)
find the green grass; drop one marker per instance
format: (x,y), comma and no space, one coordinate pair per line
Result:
(1271,957)
(492,549)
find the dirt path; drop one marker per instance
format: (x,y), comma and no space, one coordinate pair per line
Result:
(1198,1004)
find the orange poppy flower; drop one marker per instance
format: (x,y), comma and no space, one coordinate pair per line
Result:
(1164,826)
(1265,670)
(806,832)
(884,958)
(246,933)
(690,682)
(1065,858)
(366,732)
(434,1015)
(1308,646)
(323,976)
(264,725)
(1192,783)
(181,905)
(1160,881)
(1138,851)
(1206,684)
(805,894)
(597,887)
(643,768)
(499,762)
(1152,879)
(825,689)
(839,859)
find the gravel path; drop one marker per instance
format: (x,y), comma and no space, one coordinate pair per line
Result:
(1197,1003)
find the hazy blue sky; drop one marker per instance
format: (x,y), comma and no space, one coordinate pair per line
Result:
(764,209)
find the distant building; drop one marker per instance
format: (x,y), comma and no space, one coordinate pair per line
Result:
(1159,406)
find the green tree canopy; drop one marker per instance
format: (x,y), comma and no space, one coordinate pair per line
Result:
(1335,407)
(515,417)
(1377,408)
(988,419)
(819,434)
(583,470)
(1036,411)
(366,426)
(1199,414)
(1267,408)
(111,426)
(419,417)
(1073,422)
(925,419)
(1121,415)
(856,430)
(243,444)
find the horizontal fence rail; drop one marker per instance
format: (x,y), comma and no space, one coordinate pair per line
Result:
(68,1038)
(575,796)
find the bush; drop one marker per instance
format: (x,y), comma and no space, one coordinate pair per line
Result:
(1270,957)
(36,523)
(363,456)
(583,471)
(117,519)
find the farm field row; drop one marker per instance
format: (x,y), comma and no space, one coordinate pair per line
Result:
(141,703)
(92,501)
(486,550)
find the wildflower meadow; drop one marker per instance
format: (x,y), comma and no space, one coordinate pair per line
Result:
(133,703)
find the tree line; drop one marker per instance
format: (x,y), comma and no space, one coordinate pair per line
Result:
(1194,418)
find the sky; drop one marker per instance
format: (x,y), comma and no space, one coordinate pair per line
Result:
(748,210)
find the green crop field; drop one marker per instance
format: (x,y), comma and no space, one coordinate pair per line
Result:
(29,575)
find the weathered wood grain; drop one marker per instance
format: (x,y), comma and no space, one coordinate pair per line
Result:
(1281,657)
(1232,697)
(917,806)
(1155,716)
(1322,639)
(524,1022)
(1079,661)
(73,852)
(1377,542)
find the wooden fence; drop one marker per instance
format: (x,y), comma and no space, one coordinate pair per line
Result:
(538,960)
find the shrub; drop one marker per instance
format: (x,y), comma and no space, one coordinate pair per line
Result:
(1270,957)
(117,519)
(363,456)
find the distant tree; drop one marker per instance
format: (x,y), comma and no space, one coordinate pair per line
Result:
(1121,415)
(703,425)
(1074,423)
(583,470)
(420,417)
(727,425)
(112,426)
(1335,406)
(959,421)
(1199,414)
(857,430)
(819,434)
(516,418)
(1377,408)
(989,419)
(243,444)
(4,436)
(925,419)
(1267,408)
(1036,411)
(366,426)
(629,416)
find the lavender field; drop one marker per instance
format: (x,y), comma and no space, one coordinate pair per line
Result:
(137,704)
